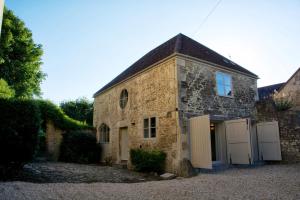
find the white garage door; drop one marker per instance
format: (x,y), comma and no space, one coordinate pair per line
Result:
(238,141)
(268,141)
(200,142)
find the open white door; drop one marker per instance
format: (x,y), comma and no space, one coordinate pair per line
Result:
(238,141)
(268,141)
(200,142)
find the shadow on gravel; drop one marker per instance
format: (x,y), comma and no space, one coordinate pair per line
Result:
(57,172)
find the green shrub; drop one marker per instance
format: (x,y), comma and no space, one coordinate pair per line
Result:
(50,111)
(148,160)
(283,104)
(80,147)
(19,127)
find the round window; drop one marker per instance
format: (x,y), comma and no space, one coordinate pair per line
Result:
(123,98)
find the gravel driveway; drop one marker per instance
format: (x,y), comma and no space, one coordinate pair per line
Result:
(266,182)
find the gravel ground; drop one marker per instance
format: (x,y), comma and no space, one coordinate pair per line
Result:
(265,182)
(58,172)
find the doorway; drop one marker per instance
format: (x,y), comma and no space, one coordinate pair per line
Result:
(213,142)
(124,148)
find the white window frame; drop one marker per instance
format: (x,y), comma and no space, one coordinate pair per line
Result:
(223,84)
(104,132)
(149,128)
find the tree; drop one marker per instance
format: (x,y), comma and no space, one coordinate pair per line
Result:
(5,90)
(20,57)
(81,109)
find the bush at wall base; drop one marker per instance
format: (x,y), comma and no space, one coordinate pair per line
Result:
(80,147)
(148,160)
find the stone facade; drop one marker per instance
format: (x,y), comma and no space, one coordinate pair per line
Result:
(171,91)
(151,93)
(289,127)
(198,95)
(291,90)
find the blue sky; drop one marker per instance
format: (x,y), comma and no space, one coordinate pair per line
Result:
(87,43)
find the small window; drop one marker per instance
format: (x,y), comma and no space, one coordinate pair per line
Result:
(104,133)
(150,127)
(123,98)
(224,86)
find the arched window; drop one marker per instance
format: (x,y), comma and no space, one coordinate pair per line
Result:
(123,98)
(104,133)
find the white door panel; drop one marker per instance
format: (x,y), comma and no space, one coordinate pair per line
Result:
(269,141)
(200,142)
(238,141)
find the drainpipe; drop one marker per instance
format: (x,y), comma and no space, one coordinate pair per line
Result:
(1,13)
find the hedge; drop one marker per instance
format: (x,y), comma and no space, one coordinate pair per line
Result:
(80,147)
(50,111)
(148,160)
(19,127)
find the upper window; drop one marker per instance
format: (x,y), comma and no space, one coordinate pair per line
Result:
(224,86)
(123,98)
(150,127)
(104,133)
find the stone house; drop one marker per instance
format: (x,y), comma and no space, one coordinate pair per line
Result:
(155,102)
(1,13)
(290,90)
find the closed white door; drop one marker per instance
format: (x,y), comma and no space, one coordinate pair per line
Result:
(200,142)
(238,141)
(268,141)
(124,144)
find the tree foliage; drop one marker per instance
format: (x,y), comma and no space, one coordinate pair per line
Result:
(5,90)
(20,57)
(81,109)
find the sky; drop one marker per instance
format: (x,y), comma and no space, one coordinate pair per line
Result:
(88,43)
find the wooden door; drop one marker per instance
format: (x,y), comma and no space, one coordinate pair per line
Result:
(200,142)
(268,141)
(124,144)
(238,141)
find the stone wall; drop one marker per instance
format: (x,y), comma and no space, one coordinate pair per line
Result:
(198,95)
(150,94)
(289,128)
(53,141)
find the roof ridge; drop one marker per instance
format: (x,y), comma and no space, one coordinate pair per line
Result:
(178,43)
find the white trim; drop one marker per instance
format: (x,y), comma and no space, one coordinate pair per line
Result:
(149,128)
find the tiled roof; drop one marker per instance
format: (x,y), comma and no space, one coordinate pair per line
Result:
(267,91)
(178,44)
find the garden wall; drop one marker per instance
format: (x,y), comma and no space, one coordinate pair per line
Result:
(54,137)
(53,141)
